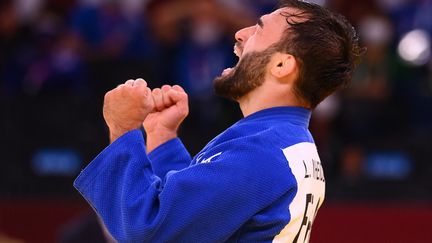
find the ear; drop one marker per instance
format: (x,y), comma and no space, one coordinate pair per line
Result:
(283,65)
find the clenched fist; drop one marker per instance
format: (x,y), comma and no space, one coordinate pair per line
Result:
(171,108)
(127,106)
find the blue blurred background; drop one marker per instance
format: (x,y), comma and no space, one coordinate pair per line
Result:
(59,57)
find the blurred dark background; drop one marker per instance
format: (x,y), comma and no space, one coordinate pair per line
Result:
(59,57)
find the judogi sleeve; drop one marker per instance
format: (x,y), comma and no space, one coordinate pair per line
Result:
(170,156)
(207,202)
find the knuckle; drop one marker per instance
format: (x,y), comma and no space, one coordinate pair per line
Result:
(119,88)
(139,82)
(185,112)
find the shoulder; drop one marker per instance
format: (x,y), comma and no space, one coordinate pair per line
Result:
(255,154)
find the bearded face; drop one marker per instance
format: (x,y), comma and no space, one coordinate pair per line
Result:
(247,75)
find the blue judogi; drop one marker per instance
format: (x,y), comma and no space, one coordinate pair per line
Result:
(259,181)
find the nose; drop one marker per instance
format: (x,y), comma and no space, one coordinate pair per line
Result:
(243,35)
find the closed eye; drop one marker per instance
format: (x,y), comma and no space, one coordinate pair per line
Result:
(260,23)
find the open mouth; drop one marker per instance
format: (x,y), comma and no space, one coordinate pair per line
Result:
(237,52)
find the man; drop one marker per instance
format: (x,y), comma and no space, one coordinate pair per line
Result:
(259,181)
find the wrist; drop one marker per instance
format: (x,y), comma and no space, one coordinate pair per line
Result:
(157,138)
(115,132)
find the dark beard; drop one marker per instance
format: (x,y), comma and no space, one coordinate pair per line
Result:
(245,77)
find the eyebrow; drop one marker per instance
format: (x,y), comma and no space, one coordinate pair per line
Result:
(260,23)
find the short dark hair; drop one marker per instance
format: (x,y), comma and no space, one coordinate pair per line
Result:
(326,47)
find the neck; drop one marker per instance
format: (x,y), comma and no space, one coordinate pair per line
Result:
(267,96)
(256,101)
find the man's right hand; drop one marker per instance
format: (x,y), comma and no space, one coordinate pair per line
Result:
(170,109)
(126,107)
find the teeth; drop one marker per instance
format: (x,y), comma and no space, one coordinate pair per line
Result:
(236,52)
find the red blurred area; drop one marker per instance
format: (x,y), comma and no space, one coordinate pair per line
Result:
(38,220)
(42,221)
(373,223)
